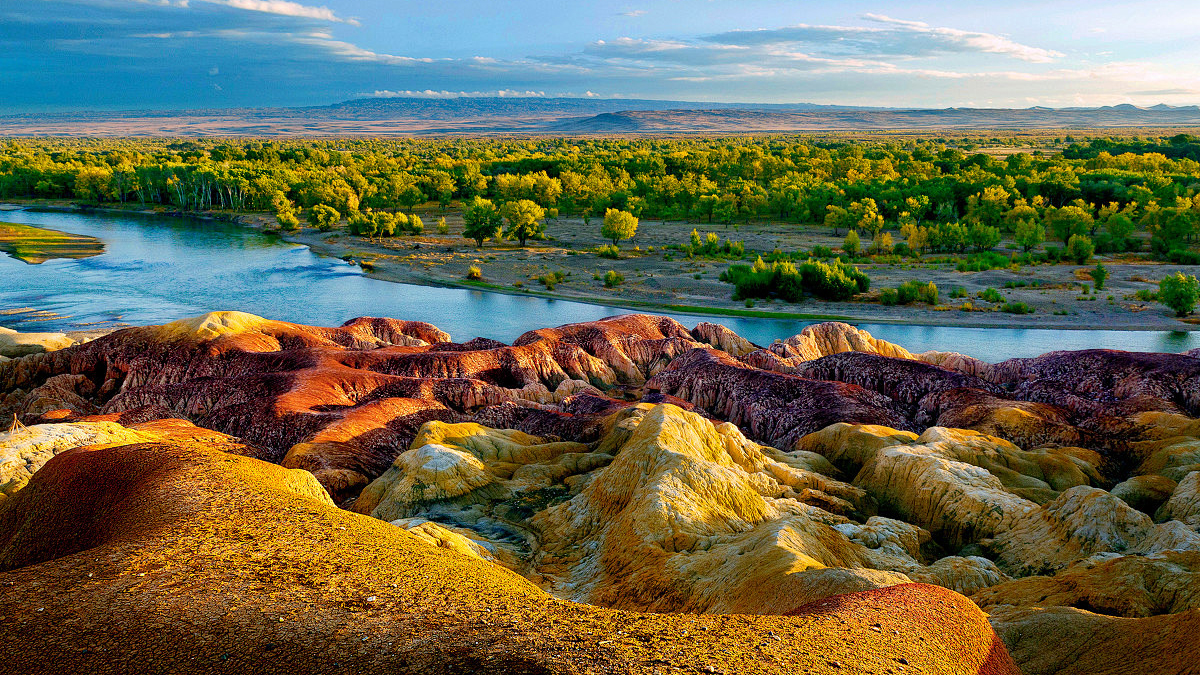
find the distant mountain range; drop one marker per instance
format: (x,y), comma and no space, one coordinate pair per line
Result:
(576,116)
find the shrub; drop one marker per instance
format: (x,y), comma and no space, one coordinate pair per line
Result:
(1184,257)
(889,297)
(981,262)
(323,217)
(828,281)
(474,273)
(609,251)
(1099,275)
(442,227)
(822,252)
(851,244)
(915,291)
(413,225)
(1080,248)
(613,278)
(287,220)
(550,279)
(991,295)
(1016,308)
(1179,292)
(958,292)
(1146,295)
(361,224)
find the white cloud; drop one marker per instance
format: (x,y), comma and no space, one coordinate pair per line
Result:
(280,7)
(634,13)
(895,38)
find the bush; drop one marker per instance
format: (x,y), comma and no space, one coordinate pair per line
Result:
(915,291)
(609,251)
(1184,257)
(1099,275)
(958,292)
(413,225)
(1146,295)
(991,295)
(889,297)
(822,252)
(323,217)
(852,244)
(474,273)
(361,224)
(828,281)
(1179,292)
(287,220)
(1080,248)
(1016,308)
(551,278)
(613,278)
(981,262)
(442,227)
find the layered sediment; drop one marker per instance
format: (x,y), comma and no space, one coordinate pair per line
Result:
(643,471)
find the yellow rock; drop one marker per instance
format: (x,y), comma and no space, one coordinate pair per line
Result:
(460,465)
(14,344)
(692,516)
(212,326)
(1184,504)
(24,450)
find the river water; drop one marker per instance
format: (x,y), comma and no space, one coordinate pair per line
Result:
(158,269)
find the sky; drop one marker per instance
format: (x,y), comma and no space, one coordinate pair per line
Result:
(198,54)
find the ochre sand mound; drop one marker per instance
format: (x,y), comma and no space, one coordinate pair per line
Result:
(175,558)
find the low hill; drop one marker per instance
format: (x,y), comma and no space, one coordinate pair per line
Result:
(574,116)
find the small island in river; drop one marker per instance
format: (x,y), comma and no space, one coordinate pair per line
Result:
(35,245)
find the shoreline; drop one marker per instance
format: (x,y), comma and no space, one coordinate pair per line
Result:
(381,268)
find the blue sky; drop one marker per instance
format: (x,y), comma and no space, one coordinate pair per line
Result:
(73,54)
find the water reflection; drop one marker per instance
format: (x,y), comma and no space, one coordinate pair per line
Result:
(160,269)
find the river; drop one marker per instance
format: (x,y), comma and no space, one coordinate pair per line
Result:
(158,269)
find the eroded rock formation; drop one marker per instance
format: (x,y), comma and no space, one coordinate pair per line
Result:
(633,464)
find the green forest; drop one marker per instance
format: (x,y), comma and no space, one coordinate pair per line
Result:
(1122,194)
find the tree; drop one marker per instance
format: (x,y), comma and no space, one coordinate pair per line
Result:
(323,217)
(1029,235)
(524,220)
(882,243)
(988,207)
(1119,227)
(384,224)
(1080,248)
(836,218)
(1179,292)
(1069,221)
(864,215)
(480,220)
(1099,275)
(852,244)
(618,225)
(983,237)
